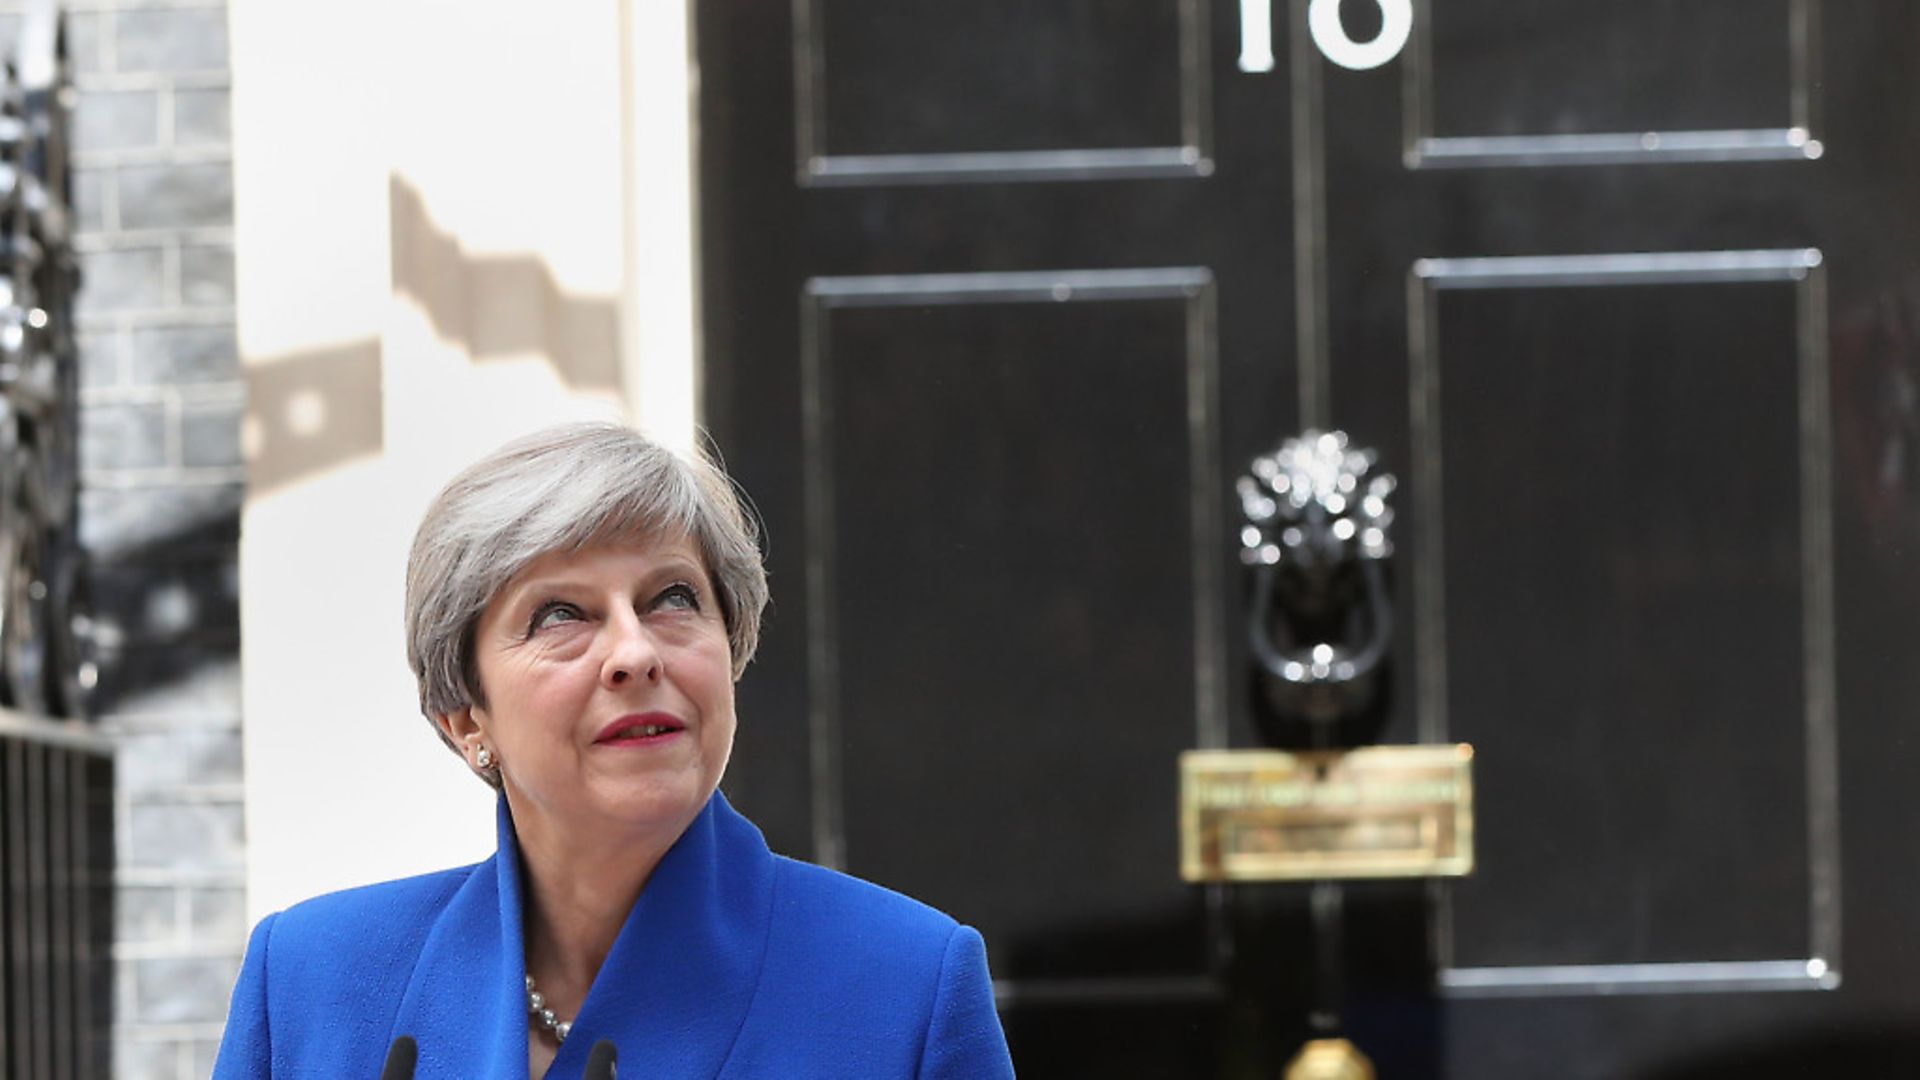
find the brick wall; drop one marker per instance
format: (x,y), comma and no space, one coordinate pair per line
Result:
(162,486)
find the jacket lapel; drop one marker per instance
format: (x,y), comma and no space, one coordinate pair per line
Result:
(466,1005)
(676,987)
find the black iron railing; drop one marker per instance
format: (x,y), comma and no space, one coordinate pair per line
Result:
(56,775)
(56,899)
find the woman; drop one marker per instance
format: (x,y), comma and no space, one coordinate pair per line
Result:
(578,607)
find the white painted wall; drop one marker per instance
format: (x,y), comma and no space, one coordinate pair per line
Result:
(456,221)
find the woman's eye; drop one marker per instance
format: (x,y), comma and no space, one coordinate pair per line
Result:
(678,595)
(552,613)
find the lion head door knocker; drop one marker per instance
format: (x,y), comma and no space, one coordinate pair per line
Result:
(1316,539)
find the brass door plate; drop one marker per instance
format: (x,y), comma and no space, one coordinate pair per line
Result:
(1372,812)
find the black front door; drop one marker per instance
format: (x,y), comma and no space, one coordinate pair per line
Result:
(1001,297)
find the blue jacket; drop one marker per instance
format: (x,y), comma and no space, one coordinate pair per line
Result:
(734,963)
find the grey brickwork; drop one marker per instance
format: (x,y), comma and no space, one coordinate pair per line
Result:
(162,399)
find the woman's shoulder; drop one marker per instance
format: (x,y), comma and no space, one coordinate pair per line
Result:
(828,898)
(348,954)
(364,915)
(854,971)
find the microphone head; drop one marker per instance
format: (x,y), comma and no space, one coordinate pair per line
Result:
(601,1060)
(400,1059)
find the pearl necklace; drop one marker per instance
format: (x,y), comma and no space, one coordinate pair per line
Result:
(538,1013)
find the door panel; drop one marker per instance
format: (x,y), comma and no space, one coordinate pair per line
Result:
(916,91)
(1562,82)
(1622,516)
(973,640)
(1559,67)
(922,77)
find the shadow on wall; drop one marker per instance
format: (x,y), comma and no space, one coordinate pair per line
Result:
(500,307)
(166,591)
(310,411)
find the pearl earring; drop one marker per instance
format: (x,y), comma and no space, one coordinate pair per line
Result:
(484,758)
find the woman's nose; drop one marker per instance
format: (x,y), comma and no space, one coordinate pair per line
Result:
(631,653)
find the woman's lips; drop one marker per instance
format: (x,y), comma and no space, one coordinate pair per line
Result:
(640,729)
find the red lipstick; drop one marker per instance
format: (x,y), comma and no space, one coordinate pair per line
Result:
(638,729)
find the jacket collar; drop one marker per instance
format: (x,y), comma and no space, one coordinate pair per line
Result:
(672,994)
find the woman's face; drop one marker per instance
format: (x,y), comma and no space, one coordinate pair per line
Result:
(609,688)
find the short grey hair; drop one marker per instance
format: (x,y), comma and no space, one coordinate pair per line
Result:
(563,489)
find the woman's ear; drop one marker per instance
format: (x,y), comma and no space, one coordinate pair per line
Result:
(459,725)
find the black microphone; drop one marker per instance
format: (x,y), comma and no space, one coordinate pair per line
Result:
(600,1061)
(400,1058)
